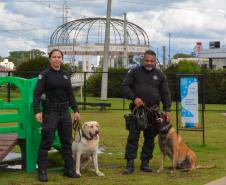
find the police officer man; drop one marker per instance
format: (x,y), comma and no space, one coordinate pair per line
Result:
(145,85)
(55,86)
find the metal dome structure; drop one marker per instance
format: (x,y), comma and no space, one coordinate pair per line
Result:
(86,37)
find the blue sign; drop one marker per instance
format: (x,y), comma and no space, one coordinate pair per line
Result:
(189,102)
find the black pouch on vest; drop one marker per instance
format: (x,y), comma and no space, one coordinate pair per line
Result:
(130,119)
(141,118)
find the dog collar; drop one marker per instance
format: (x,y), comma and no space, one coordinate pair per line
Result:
(166,128)
(85,136)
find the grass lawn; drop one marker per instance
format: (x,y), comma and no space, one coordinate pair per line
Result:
(113,138)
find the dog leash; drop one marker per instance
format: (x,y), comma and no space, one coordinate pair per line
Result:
(76,125)
(153,111)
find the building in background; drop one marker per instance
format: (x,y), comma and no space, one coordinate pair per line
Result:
(6,67)
(197,48)
(7,64)
(215,54)
(194,57)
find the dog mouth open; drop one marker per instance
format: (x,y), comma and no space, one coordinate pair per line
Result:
(93,136)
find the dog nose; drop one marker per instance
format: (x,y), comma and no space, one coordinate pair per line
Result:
(97,132)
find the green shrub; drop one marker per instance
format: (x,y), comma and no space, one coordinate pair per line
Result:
(184,66)
(32,68)
(115,78)
(215,87)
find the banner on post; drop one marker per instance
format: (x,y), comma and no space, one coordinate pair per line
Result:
(189,102)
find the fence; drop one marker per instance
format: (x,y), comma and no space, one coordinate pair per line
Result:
(214,89)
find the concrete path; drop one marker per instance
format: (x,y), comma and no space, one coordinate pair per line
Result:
(221,181)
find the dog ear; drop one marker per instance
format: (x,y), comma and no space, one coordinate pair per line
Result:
(84,125)
(98,125)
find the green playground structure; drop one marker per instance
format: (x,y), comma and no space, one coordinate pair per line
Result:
(26,127)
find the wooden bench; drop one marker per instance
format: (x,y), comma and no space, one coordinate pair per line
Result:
(7,142)
(102,105)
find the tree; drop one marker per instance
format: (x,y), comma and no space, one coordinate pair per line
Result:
(115,78)
(184,66)
(182,55)
(17,57)
(32,68)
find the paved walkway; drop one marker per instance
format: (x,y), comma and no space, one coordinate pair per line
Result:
(221,181)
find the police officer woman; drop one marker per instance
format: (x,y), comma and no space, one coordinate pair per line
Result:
(54,86)
(145,85)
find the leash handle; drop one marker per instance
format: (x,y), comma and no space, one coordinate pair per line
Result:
(76,125)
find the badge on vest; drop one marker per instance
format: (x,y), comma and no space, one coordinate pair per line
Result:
(39,77)
(155,77)
(65,77)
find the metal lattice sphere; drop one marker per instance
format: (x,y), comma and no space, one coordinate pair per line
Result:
(86,37)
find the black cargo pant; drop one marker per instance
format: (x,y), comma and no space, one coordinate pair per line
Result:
(133,138)
(56,117)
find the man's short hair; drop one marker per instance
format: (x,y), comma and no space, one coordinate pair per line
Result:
(149,52)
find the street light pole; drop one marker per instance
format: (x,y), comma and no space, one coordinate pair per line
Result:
(169,48)
(125,57)
(104,84)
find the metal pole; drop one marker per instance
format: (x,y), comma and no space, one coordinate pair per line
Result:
(169,48)
(125,57)
(164,56)
(203,107)
(177,100)
(84,106)
(104,84)
(8,90)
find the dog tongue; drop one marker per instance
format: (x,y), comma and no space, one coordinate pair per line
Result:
(95,137)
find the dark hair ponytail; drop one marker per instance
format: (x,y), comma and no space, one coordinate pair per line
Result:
(53,50)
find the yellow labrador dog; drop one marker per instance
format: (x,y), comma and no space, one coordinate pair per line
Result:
(85,148)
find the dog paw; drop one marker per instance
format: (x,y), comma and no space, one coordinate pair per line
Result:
(100,174)
(79,174)
(172,171)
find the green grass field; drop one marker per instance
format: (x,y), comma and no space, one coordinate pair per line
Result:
(113,139)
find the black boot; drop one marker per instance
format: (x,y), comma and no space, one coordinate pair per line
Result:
(42,176)
(145,166)
(129,167)
(71,173)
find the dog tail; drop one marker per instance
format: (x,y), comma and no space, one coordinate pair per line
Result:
(206,166)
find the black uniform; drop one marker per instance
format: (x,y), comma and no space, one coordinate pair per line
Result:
(151,87)
(56,86)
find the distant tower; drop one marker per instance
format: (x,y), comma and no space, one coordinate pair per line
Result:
(65,12)
(197,48)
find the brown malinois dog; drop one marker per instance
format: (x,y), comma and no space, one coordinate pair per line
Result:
(171,144)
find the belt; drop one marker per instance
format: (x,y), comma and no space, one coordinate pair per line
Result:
(61,106)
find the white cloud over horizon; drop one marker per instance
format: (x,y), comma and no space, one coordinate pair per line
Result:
(28,24)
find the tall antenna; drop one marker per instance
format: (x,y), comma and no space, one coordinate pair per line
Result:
(65,12)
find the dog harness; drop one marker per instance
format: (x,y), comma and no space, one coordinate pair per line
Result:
(166,128)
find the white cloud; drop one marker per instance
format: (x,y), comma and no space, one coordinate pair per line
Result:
(27,24)
(187,22)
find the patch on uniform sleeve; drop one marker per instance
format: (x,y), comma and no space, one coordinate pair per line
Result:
(129,70)
(40,77)
(65,77)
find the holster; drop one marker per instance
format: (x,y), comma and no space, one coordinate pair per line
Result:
(130,119)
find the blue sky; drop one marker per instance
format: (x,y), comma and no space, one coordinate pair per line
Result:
(28,24)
